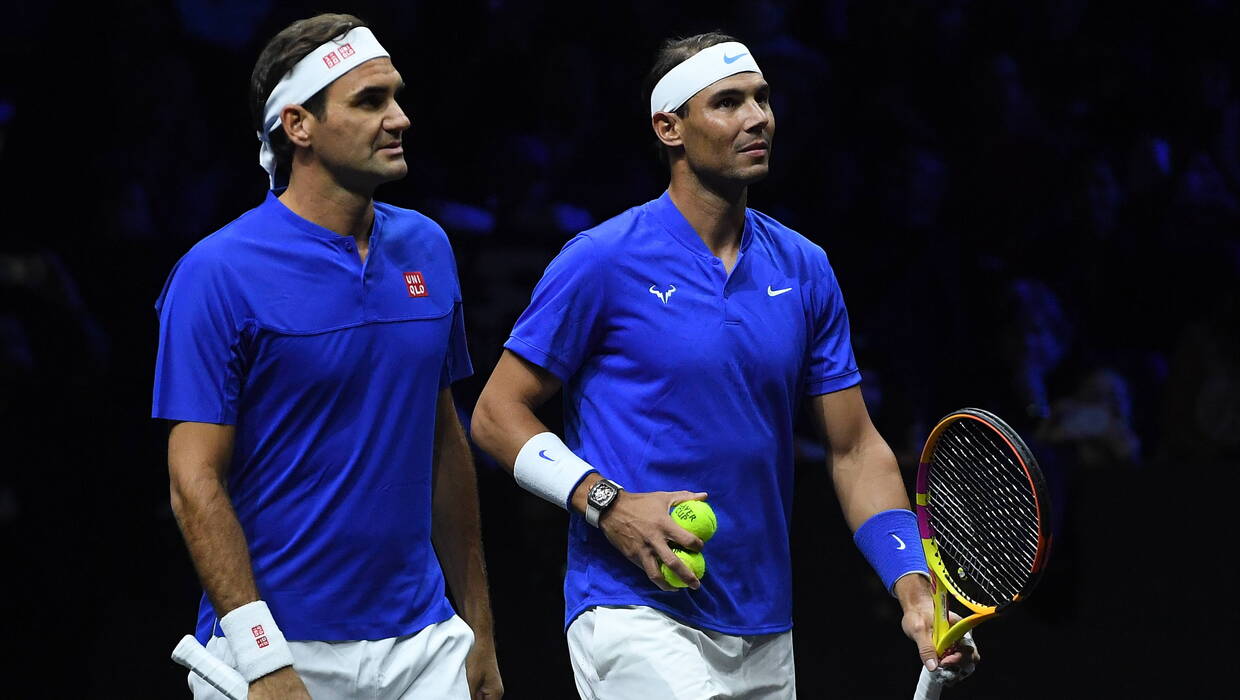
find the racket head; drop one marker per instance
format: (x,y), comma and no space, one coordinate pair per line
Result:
(983,511)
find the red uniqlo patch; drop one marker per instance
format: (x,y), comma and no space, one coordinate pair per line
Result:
(331,59)
(346,50)
(415,284)
(257,630)
(261,642)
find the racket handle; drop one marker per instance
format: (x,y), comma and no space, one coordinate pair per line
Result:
(929,686)
(224,678)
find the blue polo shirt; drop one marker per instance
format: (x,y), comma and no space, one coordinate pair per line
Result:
(677,376)
(330,370)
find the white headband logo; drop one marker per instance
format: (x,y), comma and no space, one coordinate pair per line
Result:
(707,66)
(332,60)
(320,68)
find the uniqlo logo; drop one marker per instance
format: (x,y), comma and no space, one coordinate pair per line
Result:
(257,630)
(261,642)
(346,50)
(331,59)
(415,284)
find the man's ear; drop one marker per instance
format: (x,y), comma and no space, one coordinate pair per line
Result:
(298,125)
(667,128)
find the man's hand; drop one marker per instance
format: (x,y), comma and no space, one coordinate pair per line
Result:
(482,670)
(281,684)
(639,526)
(917,600)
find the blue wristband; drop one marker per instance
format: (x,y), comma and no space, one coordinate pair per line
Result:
(890,542)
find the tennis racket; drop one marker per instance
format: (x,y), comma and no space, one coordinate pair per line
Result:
(224,678)
(984,517)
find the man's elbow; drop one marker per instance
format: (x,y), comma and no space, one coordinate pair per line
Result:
(180,491)
(191,489)
(483,427)
(175,497)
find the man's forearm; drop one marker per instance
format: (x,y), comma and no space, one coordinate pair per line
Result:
(867,480)
(215,541)
(456,528)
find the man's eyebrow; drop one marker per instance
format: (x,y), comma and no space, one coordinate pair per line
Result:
(737,92)
(377,90)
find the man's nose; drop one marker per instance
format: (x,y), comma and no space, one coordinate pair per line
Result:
(756,117)
(397,120)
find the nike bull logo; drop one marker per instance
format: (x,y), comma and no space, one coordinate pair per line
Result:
(663,296)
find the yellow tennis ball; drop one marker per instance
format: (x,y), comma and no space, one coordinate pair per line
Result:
(695,561)
(696,517)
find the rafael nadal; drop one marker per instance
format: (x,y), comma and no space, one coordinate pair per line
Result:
(685,333)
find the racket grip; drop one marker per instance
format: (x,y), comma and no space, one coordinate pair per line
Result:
(224,678)
(929,686)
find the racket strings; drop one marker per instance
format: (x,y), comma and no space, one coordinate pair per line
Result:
(1016,489)
(999,567)
(996,521)
(984,514)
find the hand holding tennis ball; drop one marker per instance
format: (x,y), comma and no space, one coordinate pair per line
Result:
(698,518)
(694,560)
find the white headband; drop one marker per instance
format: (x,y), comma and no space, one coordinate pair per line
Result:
(320,68)
(699,70)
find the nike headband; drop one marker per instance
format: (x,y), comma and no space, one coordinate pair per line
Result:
(699,70)
(320,68)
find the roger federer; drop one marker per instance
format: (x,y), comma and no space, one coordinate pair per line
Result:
(318,470)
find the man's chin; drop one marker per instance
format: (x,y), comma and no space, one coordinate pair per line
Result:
(392,171)
(754,174)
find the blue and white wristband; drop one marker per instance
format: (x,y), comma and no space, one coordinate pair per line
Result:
(890,542)
(548,469)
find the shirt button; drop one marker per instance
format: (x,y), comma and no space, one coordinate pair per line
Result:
(714,261)
(348,246)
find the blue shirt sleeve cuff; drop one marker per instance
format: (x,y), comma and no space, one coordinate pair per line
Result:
(543,359)
(827,385)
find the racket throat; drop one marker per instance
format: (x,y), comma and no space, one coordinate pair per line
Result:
(942,624)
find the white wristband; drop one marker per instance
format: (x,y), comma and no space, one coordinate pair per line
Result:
(257,644)
(548,469)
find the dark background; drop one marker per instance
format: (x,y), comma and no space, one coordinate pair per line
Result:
(1031,207)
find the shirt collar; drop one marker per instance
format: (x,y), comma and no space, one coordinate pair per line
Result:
(277,208)
(664,211)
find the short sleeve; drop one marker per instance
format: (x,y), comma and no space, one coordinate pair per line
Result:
(832,366)
(198,367)
(556,331)
(456,365)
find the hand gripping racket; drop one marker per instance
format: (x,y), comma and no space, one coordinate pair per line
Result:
(224,678)
(984,517)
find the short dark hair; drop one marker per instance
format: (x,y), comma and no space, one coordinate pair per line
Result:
(285,49)
(672,53)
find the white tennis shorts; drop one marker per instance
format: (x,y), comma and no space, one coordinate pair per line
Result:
(638,652)
(429,664)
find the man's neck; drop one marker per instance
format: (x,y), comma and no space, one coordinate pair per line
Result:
(315,197)
(717,216)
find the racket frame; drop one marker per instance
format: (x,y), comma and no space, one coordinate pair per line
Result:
(946,634)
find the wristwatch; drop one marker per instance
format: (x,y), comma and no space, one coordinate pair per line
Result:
(602,495)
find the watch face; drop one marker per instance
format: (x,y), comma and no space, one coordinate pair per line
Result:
(602,493)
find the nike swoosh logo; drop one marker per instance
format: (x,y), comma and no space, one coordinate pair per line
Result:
(776,292)
(543,454)
(897,537)
(733,59)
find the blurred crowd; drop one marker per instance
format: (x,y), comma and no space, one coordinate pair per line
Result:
(1031,207)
